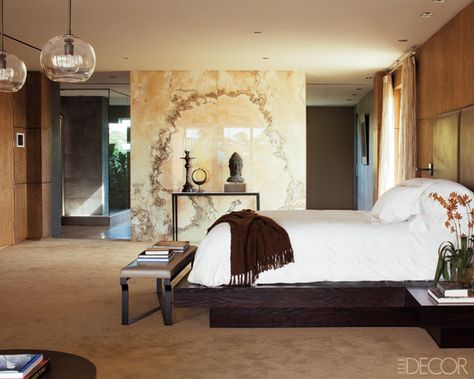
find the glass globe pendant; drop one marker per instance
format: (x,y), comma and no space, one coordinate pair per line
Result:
(12,69)
(68,59)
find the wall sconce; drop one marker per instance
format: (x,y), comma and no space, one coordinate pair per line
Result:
(430,169)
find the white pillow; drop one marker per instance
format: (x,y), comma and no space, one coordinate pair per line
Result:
(397,204)
(432,214)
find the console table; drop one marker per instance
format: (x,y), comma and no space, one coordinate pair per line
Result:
(175,195)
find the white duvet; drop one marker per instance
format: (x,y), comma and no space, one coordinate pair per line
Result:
(330,246)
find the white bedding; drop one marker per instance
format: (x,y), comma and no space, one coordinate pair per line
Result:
(330,246)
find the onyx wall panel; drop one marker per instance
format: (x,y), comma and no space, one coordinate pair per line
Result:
(259,114)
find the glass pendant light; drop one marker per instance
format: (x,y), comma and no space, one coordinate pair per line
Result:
(66,58)
(12,69)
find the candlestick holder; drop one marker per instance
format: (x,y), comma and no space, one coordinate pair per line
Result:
(187,187)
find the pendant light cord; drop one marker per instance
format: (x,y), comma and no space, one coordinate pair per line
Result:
(69,18)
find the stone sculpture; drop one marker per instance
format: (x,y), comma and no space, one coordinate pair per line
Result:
(235,167)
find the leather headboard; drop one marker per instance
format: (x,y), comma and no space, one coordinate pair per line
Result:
(453,146)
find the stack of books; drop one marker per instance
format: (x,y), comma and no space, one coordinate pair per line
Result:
(162,252)
(23,366)
(452,293)
(176,246)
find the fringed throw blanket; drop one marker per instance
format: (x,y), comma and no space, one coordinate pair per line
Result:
(257,244)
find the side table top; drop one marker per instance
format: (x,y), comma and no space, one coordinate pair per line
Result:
(159,270)
(425,300)
(62,365)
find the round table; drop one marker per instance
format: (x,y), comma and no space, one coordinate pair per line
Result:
(62,365)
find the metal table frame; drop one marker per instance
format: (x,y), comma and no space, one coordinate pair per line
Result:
(178,268)
(175,195)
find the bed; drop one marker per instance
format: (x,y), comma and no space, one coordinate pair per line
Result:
(351,268)
(331,245)
(397,241)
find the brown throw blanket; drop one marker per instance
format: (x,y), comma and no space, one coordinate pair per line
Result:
(257,244)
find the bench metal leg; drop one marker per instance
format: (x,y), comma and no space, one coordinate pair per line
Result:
(166,302)
(124,285)
(125,310)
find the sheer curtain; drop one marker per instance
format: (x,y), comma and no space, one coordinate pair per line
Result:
(387,138)
(407,131)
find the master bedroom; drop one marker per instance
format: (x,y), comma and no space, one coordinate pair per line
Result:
(209,183)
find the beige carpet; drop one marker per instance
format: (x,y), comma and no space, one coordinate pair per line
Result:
(62,294)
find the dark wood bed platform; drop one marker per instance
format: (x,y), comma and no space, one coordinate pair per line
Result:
(330,304)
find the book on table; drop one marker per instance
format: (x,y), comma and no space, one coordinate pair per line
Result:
(178,246)
(39,370)
(436,294)
(454,289)
(145,257)
(158,250)
(19,366)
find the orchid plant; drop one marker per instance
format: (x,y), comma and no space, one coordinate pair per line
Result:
(454,258)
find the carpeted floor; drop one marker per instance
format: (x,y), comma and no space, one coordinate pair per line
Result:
(62,294)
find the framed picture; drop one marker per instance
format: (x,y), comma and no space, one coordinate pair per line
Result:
(364,138)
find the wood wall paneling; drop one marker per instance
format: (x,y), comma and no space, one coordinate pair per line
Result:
(35,209)
(445,73)
(33,100)
(446,146)
(20,156)
(6,170)
(47,155)
(424,137)
(33,168)
(46,212)
(20,222)
(19,108)
(39,155)
(467,147)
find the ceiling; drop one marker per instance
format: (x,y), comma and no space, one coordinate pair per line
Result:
(338,43)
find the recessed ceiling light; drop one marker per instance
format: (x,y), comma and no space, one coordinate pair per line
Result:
(426,14)
(402,40)
(266,58)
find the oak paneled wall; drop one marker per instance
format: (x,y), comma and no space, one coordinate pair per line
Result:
(445,78)
(20,221)
(424,136)
(445,67)
(6,170)
(25,172)
(39,155)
